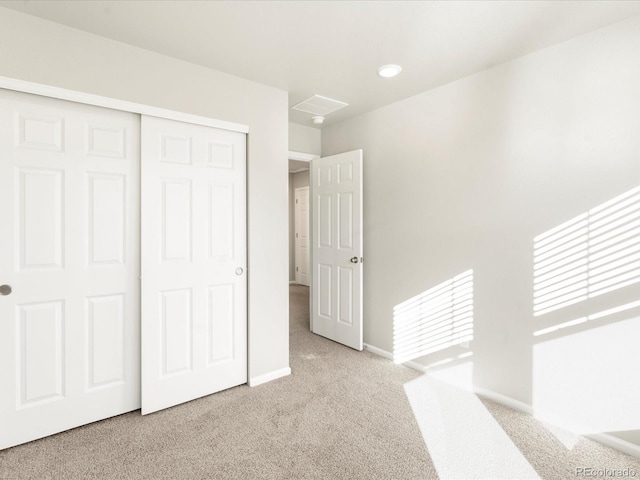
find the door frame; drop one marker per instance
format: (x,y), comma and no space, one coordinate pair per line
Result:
(296,222)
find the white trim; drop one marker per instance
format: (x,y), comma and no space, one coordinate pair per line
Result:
(292,282)
(267,377)
(122,105)
(504,400)
(302,157)
(602,438)
(416,366)
(299,170)
(616,443)
(378,351)
(383,353)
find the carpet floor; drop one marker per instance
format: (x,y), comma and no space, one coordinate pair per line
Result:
(341,414)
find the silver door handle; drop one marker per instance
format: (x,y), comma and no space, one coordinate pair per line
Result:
(354,260)
(5,289)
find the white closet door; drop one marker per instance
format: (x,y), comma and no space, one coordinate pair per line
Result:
(69,251)
(194,285)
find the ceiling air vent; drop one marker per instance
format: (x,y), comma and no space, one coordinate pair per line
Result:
(319,105)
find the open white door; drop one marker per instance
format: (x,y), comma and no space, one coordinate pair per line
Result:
(69,265)
(336,219)
(194,285)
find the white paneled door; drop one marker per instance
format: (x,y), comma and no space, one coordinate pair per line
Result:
(69,265)
(336,219)
(194,284)
(301,220)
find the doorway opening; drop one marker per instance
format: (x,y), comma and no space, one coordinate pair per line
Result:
(299,223)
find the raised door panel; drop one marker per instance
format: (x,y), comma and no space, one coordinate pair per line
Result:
(220,155)
(40,213)
(345,295)
(220,221)
(176,219)
(175,149)
(105,340)
(44,132)
(345,220)
(106,141)
(177,331)
(41,351)
(324,285)
(220,316)
(325,225)
(106,223)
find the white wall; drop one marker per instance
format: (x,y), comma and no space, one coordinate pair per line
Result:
(466,175)
(39,51)
(304,139)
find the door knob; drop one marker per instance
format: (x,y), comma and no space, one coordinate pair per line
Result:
(354,260)
(5,290)
(239,271)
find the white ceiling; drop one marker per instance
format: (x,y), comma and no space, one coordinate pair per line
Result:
(333,48)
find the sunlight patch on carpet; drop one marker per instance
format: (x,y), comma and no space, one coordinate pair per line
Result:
(463,438)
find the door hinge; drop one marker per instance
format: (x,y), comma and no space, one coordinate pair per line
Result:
(296,235)
(296,269)
(296,200)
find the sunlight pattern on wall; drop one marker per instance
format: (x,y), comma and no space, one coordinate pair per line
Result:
(436,319)
(593,316)
(587,381)
(593,254)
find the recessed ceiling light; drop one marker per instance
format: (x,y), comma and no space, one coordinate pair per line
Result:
(317,120)
(388,71)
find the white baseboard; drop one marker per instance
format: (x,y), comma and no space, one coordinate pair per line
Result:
(292,282)
(267,377)
(616,443)
(416,366)
(389,355)
(378,351)
(504,400)
(603,438)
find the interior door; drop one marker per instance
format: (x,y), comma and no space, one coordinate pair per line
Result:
(302,235)
(69,263)
(194,285)
(336,219)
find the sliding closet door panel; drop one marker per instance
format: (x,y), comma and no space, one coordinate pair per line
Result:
(194,284)
(69,250)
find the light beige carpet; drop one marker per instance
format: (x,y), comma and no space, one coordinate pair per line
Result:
(342,414)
